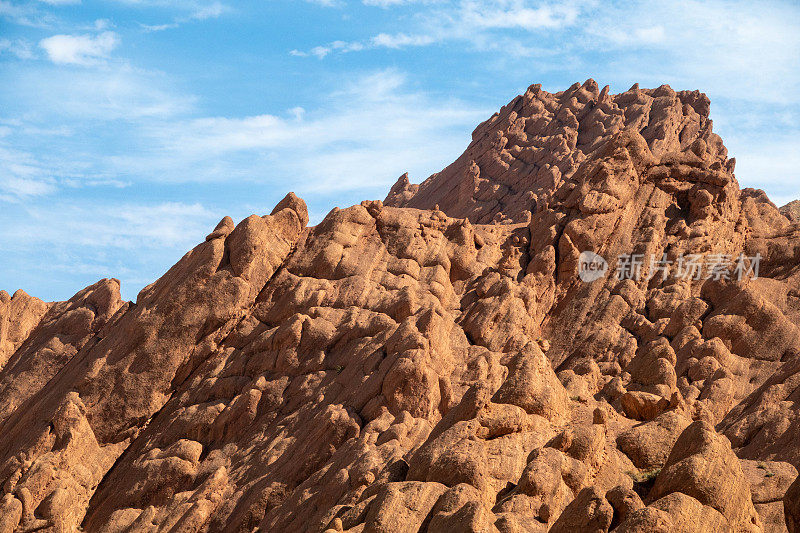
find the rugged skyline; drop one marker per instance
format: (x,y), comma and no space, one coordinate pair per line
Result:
(129,126)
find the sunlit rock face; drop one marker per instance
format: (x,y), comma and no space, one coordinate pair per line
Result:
(444,360)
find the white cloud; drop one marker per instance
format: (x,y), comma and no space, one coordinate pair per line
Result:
(752,52)
(400,40)
(55,131)
(13,189)
(125,225)
(52,145)
(474,21)
(197,12)
(61,2)
(209,11)
(326,3)
(635,37)
(336,46)
(362,137)
(86,240)
(715,45)
(382,40)
(385,3)
(80,49)
(24,14)
(105,92)
(159,27)
(19,47)
(359,138)
(26,174)
(391,3)
(21,174)
(194,9)
(507,14)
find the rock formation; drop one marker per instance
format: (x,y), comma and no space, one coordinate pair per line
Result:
(435,362)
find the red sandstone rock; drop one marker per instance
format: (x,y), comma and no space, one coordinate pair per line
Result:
(434,362)
(791,503)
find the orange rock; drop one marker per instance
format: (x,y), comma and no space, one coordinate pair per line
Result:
(791,503)
(435,361)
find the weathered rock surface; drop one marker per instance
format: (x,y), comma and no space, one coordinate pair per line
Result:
(434,362)
(791,505)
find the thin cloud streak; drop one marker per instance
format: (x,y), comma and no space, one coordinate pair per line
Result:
(131,241)
(364,137)
(473,21)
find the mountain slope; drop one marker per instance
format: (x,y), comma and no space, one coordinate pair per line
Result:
(436,361)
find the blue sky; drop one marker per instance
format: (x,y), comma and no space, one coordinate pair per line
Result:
(128,128)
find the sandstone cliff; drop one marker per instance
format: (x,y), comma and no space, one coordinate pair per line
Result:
(434,362)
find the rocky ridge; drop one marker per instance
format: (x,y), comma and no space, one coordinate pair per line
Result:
(434,362)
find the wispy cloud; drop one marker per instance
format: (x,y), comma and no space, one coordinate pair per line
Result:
(80,49)
(189,10)
(25,14)
(335,46)
(382,40)
(22,175)
(209,11)
(20,48)
(511,14)
(400,40)
(87,240)
(364,136)
(159,27)
(763,136)
(327,3)
(26,175)
(52,144)
(61,2)
(384,3)
(360,137)
(753,52)
(392,3)
(103,92)
(126,225)
(465,20)
(685,40)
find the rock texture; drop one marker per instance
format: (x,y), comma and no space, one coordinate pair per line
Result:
(433,362)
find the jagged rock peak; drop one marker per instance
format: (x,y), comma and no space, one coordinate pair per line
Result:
(533,145)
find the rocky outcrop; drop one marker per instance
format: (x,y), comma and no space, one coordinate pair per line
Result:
(769,483)
(791,503)
(438,361)
(18,316)
(792,210)
(703,466)
(58,335)
(537,142)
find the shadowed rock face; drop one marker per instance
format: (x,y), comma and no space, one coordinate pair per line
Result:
(434,362)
